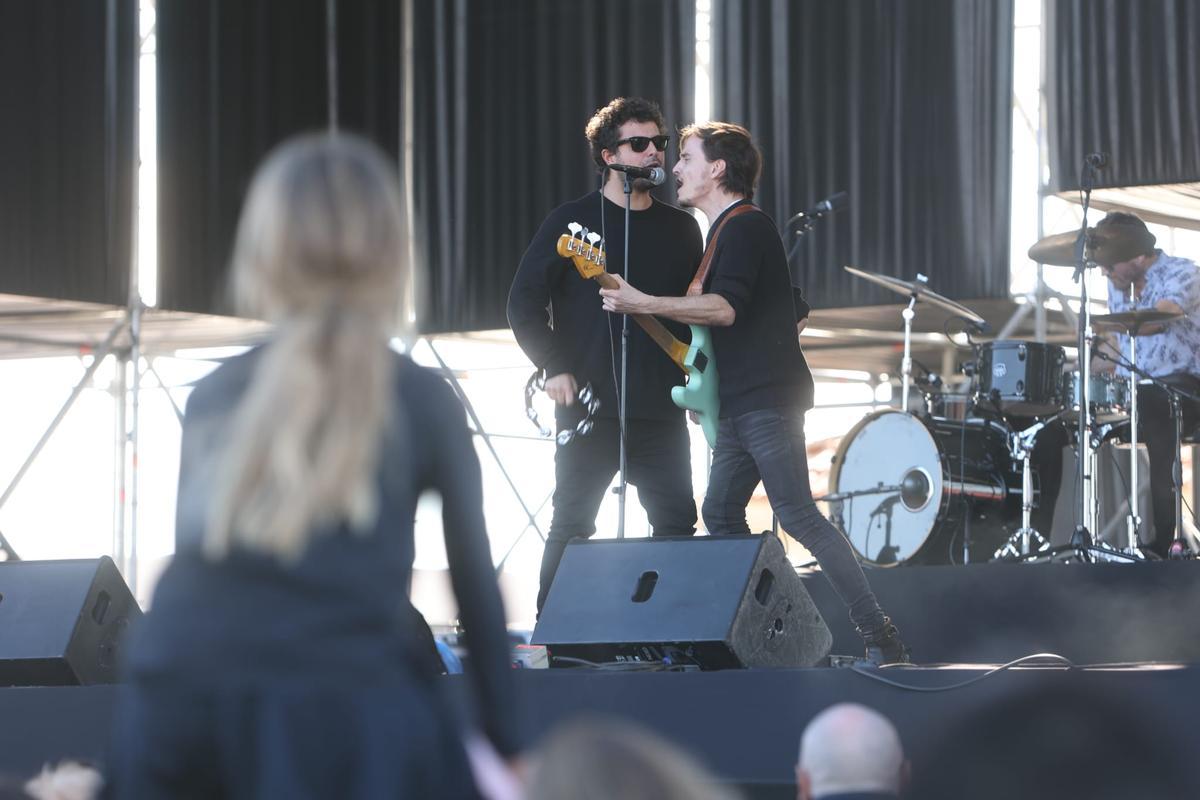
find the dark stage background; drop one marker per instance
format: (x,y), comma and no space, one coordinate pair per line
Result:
(1124,78)
(905,105)
(67,148)
(500,93)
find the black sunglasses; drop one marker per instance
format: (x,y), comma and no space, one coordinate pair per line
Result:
(638,144)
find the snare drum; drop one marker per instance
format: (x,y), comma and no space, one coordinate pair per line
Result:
(1022,378)
(1108,396)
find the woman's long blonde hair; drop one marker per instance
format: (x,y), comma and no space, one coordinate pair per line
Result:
(319,251)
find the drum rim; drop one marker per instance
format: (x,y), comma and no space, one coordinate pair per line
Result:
(835,472)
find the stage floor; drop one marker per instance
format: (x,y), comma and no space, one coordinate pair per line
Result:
(745,724)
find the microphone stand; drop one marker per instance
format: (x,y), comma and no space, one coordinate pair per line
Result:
(1082,537)
(807,221)
(622,485)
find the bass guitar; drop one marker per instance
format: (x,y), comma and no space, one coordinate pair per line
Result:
(696,360)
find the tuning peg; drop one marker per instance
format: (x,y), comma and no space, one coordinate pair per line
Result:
(592,238)
(574,228)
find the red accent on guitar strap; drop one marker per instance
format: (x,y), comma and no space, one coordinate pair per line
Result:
(696,287)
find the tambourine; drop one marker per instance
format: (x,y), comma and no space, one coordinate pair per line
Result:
(587,398)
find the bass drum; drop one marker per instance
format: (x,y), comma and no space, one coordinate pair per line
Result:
(908,484)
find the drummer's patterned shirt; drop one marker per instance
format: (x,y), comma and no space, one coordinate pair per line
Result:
(1177,349)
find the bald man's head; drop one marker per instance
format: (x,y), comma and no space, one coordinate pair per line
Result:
(850,748)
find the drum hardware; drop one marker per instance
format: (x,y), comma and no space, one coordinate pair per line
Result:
(914,290)
(1053,250)
(1021,543)
(1132,323)
(1179,548)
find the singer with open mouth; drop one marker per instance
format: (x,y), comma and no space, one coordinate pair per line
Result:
(744,292)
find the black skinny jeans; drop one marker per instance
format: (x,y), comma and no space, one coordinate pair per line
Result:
(768,445)
(658,462)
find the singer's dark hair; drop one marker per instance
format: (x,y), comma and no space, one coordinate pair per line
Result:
(733,144)
(603,130)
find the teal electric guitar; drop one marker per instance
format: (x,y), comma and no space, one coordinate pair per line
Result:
(699,393)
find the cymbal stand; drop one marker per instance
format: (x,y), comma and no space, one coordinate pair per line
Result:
(906,363)
(1179,548)
(1133,522)
(1021,543)
(1083,537)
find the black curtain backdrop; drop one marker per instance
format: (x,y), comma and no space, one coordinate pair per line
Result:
(235,78)
(905,104)
(67,148)
(1123,77)
(501,94)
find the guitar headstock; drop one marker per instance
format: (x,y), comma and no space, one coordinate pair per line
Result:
(581,246)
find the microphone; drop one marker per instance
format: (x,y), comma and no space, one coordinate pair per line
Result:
(835,202)
(656,175)
(1097,160)
(980,328)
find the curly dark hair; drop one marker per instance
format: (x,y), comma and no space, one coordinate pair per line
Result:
(603,129)
(1120,236)
(733,144)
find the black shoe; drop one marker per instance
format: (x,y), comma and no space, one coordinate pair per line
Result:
(884,645)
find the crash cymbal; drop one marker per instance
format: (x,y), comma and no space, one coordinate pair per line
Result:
(918,288)
(1056,250)
(1132,321)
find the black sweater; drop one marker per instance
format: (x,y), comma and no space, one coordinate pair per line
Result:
(557,316)
(340,612)
(758,357)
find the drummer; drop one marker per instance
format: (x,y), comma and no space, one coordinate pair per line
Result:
(1124,249)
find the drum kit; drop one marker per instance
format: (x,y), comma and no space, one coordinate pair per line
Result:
(938,487)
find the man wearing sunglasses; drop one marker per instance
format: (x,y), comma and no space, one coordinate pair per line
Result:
(746,298)
(564,332)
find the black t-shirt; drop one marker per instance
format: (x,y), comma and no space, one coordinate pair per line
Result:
(577,336)
(758,357)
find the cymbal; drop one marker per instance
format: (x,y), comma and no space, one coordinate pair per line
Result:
(1056,250)
(918,288)
(1132,321)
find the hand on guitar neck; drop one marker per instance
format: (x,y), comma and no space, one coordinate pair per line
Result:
(699,394)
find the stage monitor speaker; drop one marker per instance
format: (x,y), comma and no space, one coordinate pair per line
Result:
(712,602)
(62,622)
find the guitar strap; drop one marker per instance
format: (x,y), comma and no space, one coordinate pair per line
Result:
(696,287)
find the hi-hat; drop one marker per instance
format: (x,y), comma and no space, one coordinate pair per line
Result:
(1056,250)
(918,289)
(1132,321)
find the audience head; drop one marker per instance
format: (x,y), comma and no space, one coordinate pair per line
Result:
(70,780)
(850,748)
(600,759)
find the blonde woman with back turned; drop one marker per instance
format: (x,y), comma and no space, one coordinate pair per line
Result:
(278,658)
